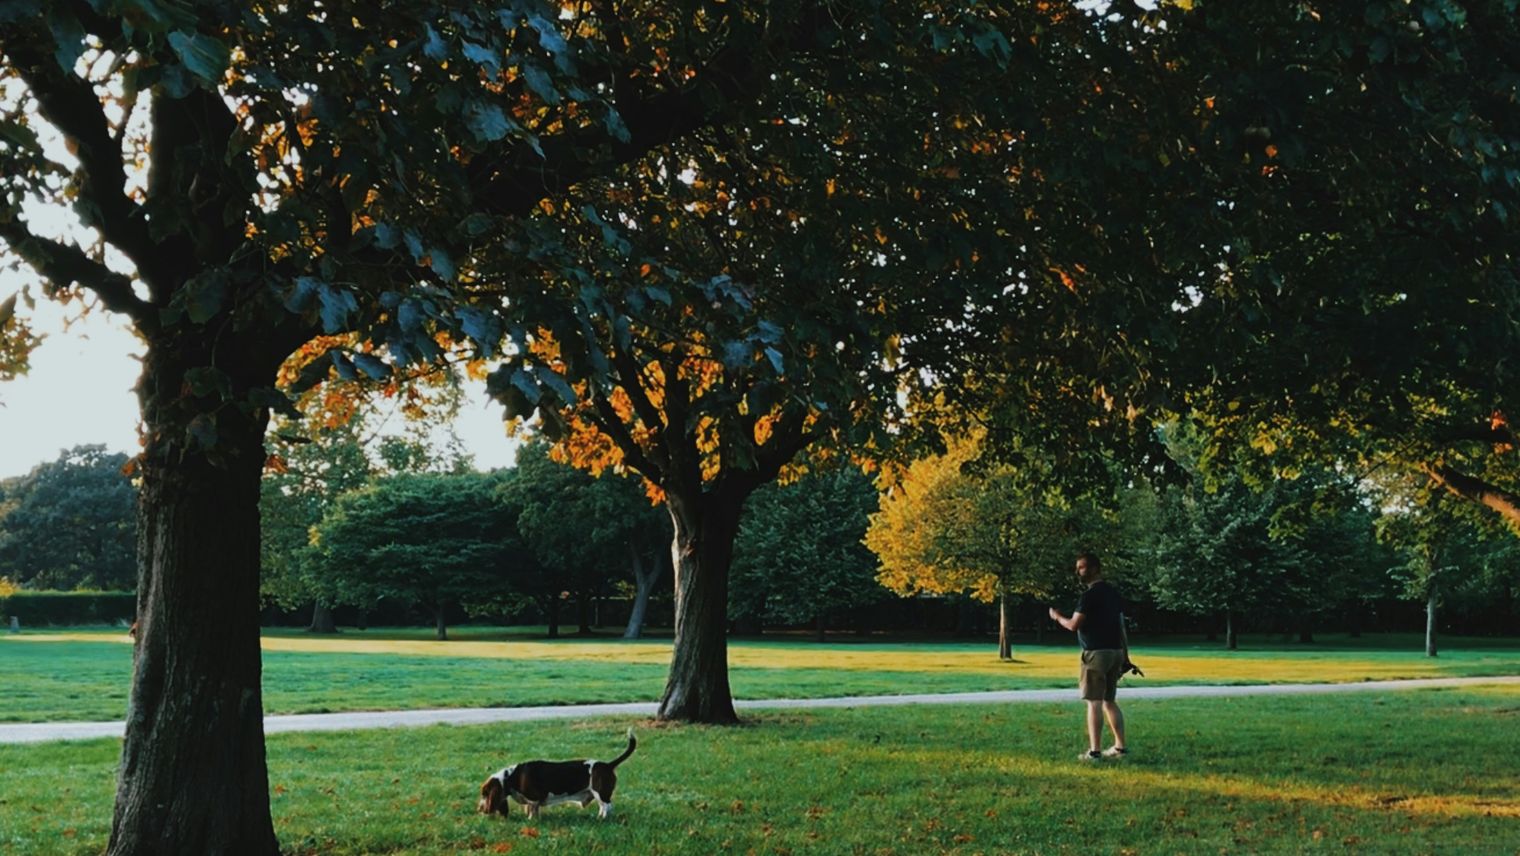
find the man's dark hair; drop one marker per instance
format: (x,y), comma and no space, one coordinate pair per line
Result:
(1091,559)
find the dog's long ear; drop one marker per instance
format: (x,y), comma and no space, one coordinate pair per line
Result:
(491,797)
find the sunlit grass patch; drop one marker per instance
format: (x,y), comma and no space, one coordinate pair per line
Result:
(85,675)
(1427,771)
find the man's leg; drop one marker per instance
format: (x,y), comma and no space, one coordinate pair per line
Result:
(1115,718)
(1094,725)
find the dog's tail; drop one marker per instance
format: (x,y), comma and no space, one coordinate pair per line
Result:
(632,744)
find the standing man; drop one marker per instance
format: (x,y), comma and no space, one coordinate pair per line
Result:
(1099,623)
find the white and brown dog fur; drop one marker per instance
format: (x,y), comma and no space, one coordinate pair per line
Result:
(535,784)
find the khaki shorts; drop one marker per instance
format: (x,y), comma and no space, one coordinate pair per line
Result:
(1101,670)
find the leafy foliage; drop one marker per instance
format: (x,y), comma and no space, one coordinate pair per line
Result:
(439,540)
(799,556)
(71,524)
(949,527)
(584,532)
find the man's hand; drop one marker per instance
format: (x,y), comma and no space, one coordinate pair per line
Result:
(1056,616)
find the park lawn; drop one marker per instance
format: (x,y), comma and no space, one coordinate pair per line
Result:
(1414,771)
(84,675)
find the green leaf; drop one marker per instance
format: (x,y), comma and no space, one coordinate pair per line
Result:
(615,126)
(205,56)
(68,35)
(775,357)
(338,307)
(552,379)
(525,384)
(484,56)
(441,264)
(345,366)
(204,294)
(373,366)
(433,46)
(488,122)
(542,85)
(301,295)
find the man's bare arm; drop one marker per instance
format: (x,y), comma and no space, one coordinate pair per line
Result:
(1071,623)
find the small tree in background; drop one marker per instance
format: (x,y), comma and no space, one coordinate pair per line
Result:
(800,556)
(995,534)
(71,523)
(439,540)
(586,531)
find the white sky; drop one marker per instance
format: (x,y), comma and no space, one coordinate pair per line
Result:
(79,391)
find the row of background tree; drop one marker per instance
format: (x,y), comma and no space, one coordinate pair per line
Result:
(397,527)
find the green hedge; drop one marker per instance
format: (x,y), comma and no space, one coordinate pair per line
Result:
(39,608)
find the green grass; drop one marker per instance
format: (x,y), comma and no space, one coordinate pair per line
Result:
(1428,771)
(84,675)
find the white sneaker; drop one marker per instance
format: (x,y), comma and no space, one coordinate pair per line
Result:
(1115,752)
(1094,755)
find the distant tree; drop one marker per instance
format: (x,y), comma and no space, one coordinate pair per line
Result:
(995,534)
(71,523)
(799,556)
(587,531)
(1216,555)
(294,495)
(1443,559)
(437,540)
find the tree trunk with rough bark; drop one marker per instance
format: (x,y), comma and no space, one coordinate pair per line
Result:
(697,688)
(193,777)
(644,578)
(1005,628)
(322,619)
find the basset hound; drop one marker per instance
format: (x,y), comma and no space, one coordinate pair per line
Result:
(535,784)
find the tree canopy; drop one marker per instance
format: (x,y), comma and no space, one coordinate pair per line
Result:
(71,523)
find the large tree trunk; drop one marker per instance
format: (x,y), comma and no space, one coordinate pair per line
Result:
(322,619)
(440,623)
(193,777)
(701,552)
(1231,632)
(1432,601)
(644,578)
(1005,628)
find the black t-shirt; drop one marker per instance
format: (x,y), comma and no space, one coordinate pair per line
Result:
(1104,610)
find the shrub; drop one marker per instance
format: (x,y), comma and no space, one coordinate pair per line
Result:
(68,607)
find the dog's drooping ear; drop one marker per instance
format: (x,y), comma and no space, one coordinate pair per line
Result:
(492,798)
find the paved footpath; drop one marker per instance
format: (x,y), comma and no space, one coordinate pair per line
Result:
(40,732)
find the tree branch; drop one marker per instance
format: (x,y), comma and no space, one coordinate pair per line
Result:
(63,265)
(70,104)
(1505,503)
(611,424)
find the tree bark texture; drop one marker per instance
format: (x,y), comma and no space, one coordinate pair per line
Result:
(644,578)
(322,619)
(1005,628)
(193,778)
(697,688)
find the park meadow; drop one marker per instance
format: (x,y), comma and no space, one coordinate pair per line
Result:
(1414,771)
